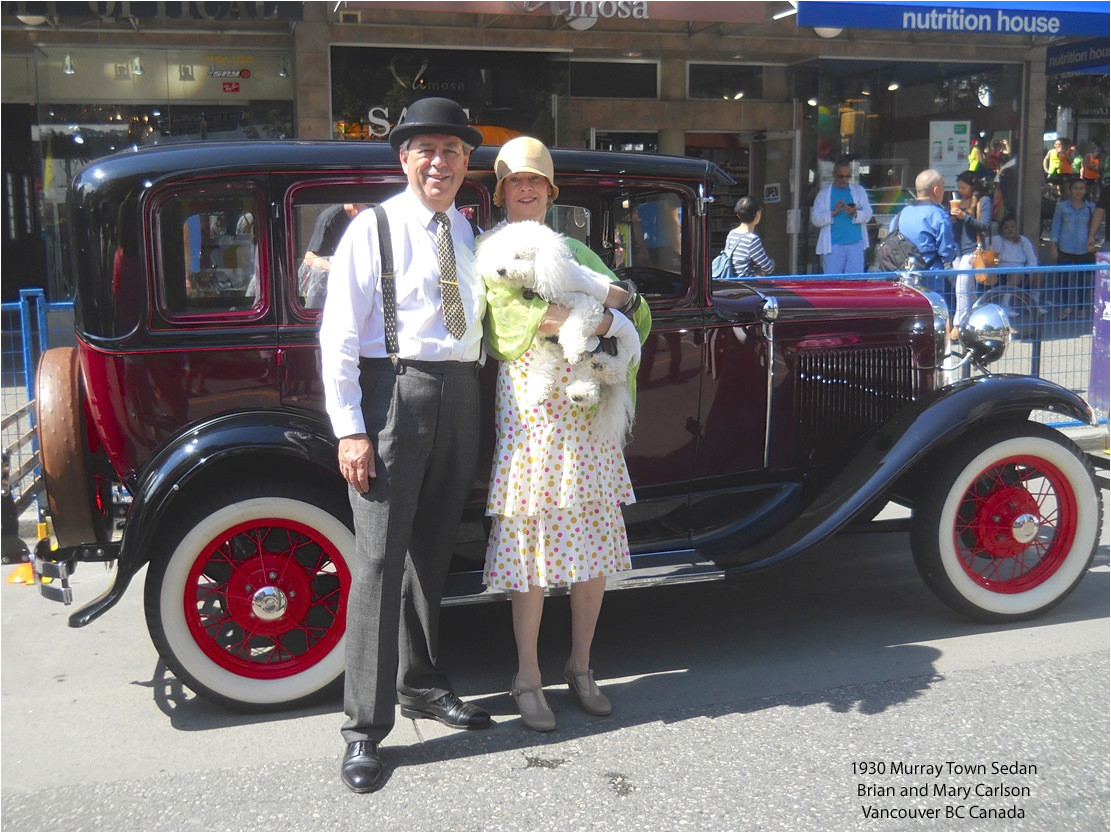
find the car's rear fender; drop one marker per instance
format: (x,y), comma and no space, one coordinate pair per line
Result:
(896,450)
(246,444)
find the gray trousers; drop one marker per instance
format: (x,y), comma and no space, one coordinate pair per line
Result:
(424,426)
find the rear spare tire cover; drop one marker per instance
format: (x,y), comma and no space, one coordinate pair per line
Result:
(63,446)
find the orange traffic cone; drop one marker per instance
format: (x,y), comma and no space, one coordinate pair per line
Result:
(23,574)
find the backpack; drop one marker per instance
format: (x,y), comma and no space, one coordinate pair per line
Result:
(896,252)
(722,267)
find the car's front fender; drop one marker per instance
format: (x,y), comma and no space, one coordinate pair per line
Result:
(264,434)
(894,450)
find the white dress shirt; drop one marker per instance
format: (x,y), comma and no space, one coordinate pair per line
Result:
(352,323)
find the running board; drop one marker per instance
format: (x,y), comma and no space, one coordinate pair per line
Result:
(657,569)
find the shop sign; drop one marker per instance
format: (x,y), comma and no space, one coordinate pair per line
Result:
(620,9)
(1089,55)
(158,10)
(230,86)
(378,121)
(583,15)
(995,17)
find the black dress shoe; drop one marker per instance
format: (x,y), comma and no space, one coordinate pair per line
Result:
(448,709)
(361,769)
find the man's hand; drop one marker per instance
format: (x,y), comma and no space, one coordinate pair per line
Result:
(356,461)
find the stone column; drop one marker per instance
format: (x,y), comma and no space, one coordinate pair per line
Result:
(1030,151)
(312,91)
(673,87)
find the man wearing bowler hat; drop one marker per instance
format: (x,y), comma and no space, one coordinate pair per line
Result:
(399,366)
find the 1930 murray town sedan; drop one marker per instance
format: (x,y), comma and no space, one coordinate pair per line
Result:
(186,432)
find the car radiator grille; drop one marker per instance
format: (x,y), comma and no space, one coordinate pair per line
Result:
(845,393)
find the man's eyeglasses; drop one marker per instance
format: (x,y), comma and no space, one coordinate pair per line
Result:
(842,176)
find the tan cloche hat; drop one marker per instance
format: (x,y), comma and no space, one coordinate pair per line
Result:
(523,155)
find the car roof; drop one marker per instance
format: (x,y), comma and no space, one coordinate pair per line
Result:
(294,154)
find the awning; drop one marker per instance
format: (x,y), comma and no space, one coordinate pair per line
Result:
(999,17)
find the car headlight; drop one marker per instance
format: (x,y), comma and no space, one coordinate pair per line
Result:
(986,333)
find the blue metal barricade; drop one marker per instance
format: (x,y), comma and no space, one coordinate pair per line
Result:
(24,336)
(1058,315)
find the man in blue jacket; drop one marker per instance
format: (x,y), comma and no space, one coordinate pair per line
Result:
(926,224)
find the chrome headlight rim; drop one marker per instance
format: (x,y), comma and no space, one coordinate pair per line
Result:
(987,333)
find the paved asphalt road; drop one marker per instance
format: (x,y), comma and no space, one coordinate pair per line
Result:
(773,704)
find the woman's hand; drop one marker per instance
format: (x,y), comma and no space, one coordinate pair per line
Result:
(553,319)
(556,315)
(617,296)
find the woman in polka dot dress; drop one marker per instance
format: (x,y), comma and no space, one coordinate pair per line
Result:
(556,488)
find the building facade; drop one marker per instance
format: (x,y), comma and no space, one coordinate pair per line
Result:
(743,84)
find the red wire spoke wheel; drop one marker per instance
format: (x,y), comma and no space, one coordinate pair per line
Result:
(266,599)
(1009,521)
(247,602)
(1024,520)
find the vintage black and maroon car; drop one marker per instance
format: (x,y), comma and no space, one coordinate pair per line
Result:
(770,413)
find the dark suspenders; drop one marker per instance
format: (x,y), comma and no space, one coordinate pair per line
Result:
(389,290)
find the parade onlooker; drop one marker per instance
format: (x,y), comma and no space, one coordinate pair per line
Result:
(1051,164)
(1091,169)
(1016,250)
(1094,237)
(750,260)
(841,211)
(1069,244)
(926,224)
(312,275)
(971,226)
(975,158)
(998,155)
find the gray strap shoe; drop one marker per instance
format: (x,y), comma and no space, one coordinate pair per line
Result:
(586,691)
(534,709)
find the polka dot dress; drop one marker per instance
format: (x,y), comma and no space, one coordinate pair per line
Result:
(555,491)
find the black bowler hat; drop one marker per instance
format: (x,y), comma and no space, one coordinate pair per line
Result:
(434,115)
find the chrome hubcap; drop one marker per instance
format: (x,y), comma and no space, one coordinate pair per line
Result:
(1024,528)
(269,603)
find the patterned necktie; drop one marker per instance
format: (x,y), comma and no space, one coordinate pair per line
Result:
(454,318)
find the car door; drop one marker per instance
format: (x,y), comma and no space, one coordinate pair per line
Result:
(307,207)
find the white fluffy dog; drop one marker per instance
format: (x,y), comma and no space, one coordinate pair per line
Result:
(532,256)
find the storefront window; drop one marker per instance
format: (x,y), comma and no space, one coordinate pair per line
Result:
(730,82)
(631,141)
(894,119)
(70,136)
(96,101)
(614,79)
(506,94)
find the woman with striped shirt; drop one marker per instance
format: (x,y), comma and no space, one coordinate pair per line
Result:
(749,258)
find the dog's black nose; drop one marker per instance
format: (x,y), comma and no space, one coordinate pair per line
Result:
(502,271)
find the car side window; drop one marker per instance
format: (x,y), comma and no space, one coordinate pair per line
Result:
(646,237)
(571,221)
(208,254)
(318,227)
(319,214)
